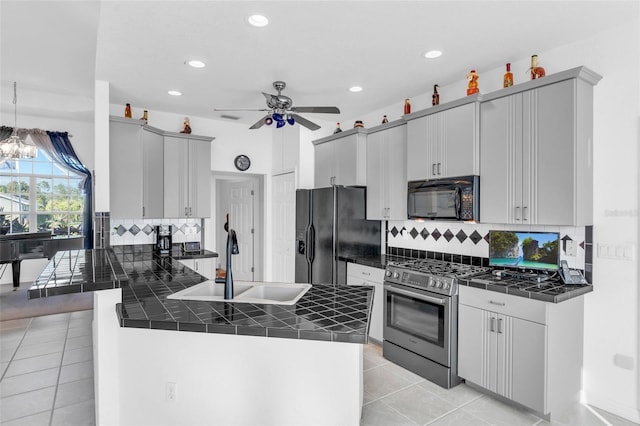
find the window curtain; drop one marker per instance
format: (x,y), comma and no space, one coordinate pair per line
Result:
(5,132)
(58,145)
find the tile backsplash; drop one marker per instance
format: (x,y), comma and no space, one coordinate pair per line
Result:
(472,239)
(142,231)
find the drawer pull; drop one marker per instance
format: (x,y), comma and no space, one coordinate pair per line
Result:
(497,303)
(366,273)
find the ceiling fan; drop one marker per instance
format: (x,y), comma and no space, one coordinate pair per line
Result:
(281,110)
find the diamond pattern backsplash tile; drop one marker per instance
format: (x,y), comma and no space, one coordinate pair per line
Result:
(472,239)
(142,231)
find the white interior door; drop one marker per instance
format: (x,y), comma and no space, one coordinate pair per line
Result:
(283,224)
(241,219)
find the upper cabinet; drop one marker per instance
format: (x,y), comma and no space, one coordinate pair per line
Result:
(442,141)
(286,149)
(135,152)
(341,159)
(387,172)
(536,151)
(156,174)
(187,178)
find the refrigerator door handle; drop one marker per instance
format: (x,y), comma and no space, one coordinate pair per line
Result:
(311,238)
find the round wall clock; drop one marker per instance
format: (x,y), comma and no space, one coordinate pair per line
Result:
(242,162)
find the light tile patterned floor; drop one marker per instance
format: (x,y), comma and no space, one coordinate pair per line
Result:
(46,370)
(394,396)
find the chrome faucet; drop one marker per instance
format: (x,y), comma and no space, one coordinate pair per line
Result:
(232,248)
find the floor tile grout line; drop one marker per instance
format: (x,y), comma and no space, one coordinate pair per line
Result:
(55,393)
(398,411)
(16,350)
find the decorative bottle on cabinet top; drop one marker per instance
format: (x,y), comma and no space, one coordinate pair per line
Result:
(472,78)
(508,77)
(536,71)
(435,98)
(127,111)
(407,106)
(338,129)
(145,115)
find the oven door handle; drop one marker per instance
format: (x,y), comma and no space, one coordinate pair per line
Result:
(418,296)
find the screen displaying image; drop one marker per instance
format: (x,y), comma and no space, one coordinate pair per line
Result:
(526,250)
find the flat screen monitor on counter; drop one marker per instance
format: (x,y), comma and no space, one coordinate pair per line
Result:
(524,250)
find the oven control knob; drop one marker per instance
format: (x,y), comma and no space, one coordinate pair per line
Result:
(447,286)
(388,273)
(431,282)
(396,275)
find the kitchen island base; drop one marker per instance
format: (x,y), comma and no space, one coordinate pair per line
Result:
(162,377)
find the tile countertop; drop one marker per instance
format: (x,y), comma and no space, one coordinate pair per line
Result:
(552,290)
(325,312)
(78,271)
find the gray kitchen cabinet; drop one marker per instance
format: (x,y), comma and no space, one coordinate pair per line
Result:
(536,151)
(387,172)
(187,177)
(205,266)
(340,159)
(286,149)
(525,350)
(366,275)
(443,141)
(136,170)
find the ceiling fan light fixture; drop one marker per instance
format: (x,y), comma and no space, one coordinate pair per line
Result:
(290,119)
(432,54)
(280,124)
(277,117)
(194,63)
(355,89)
(258,20)
(268,121)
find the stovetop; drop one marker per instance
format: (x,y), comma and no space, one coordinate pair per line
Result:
(431,275)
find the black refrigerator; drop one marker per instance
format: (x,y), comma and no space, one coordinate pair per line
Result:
(331,222)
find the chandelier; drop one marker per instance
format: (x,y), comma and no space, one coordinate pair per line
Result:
(13,146)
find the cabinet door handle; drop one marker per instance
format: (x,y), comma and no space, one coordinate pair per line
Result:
(517,212)
(196,263)
(143,211)
(497,303)
(438,168)
(524,213)
(500,325)
(433,169)
(493,324)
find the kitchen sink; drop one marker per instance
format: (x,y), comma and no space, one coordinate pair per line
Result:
(208,290)
(245,292)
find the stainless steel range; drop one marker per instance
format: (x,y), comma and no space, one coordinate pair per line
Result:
(421,317)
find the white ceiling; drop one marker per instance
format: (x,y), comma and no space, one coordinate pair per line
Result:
(319,48)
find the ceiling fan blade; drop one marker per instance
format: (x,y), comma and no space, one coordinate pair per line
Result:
(318,109)
(304,122)
(241,109)
(259,123)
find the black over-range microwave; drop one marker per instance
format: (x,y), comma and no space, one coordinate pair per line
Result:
(454,198)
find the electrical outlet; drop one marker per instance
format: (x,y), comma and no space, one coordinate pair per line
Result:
(570,248)
(172,391)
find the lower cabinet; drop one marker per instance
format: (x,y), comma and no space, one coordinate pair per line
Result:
(205,266)
(366,275)
(525,350)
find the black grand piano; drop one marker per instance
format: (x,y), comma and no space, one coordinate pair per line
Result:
(14,248)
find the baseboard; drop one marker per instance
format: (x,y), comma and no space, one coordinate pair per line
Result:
(607,404)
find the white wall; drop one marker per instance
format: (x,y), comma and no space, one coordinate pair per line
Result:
(612,324)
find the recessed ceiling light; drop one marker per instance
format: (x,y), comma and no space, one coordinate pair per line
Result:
(258,20)
(174,93)
(195,63)
(355,89)
(432,54)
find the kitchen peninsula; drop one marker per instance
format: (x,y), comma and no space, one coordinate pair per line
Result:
(162,361)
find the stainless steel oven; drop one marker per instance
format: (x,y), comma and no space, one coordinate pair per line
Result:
(421,317)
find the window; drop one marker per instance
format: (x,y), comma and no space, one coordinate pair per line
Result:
(38,195)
